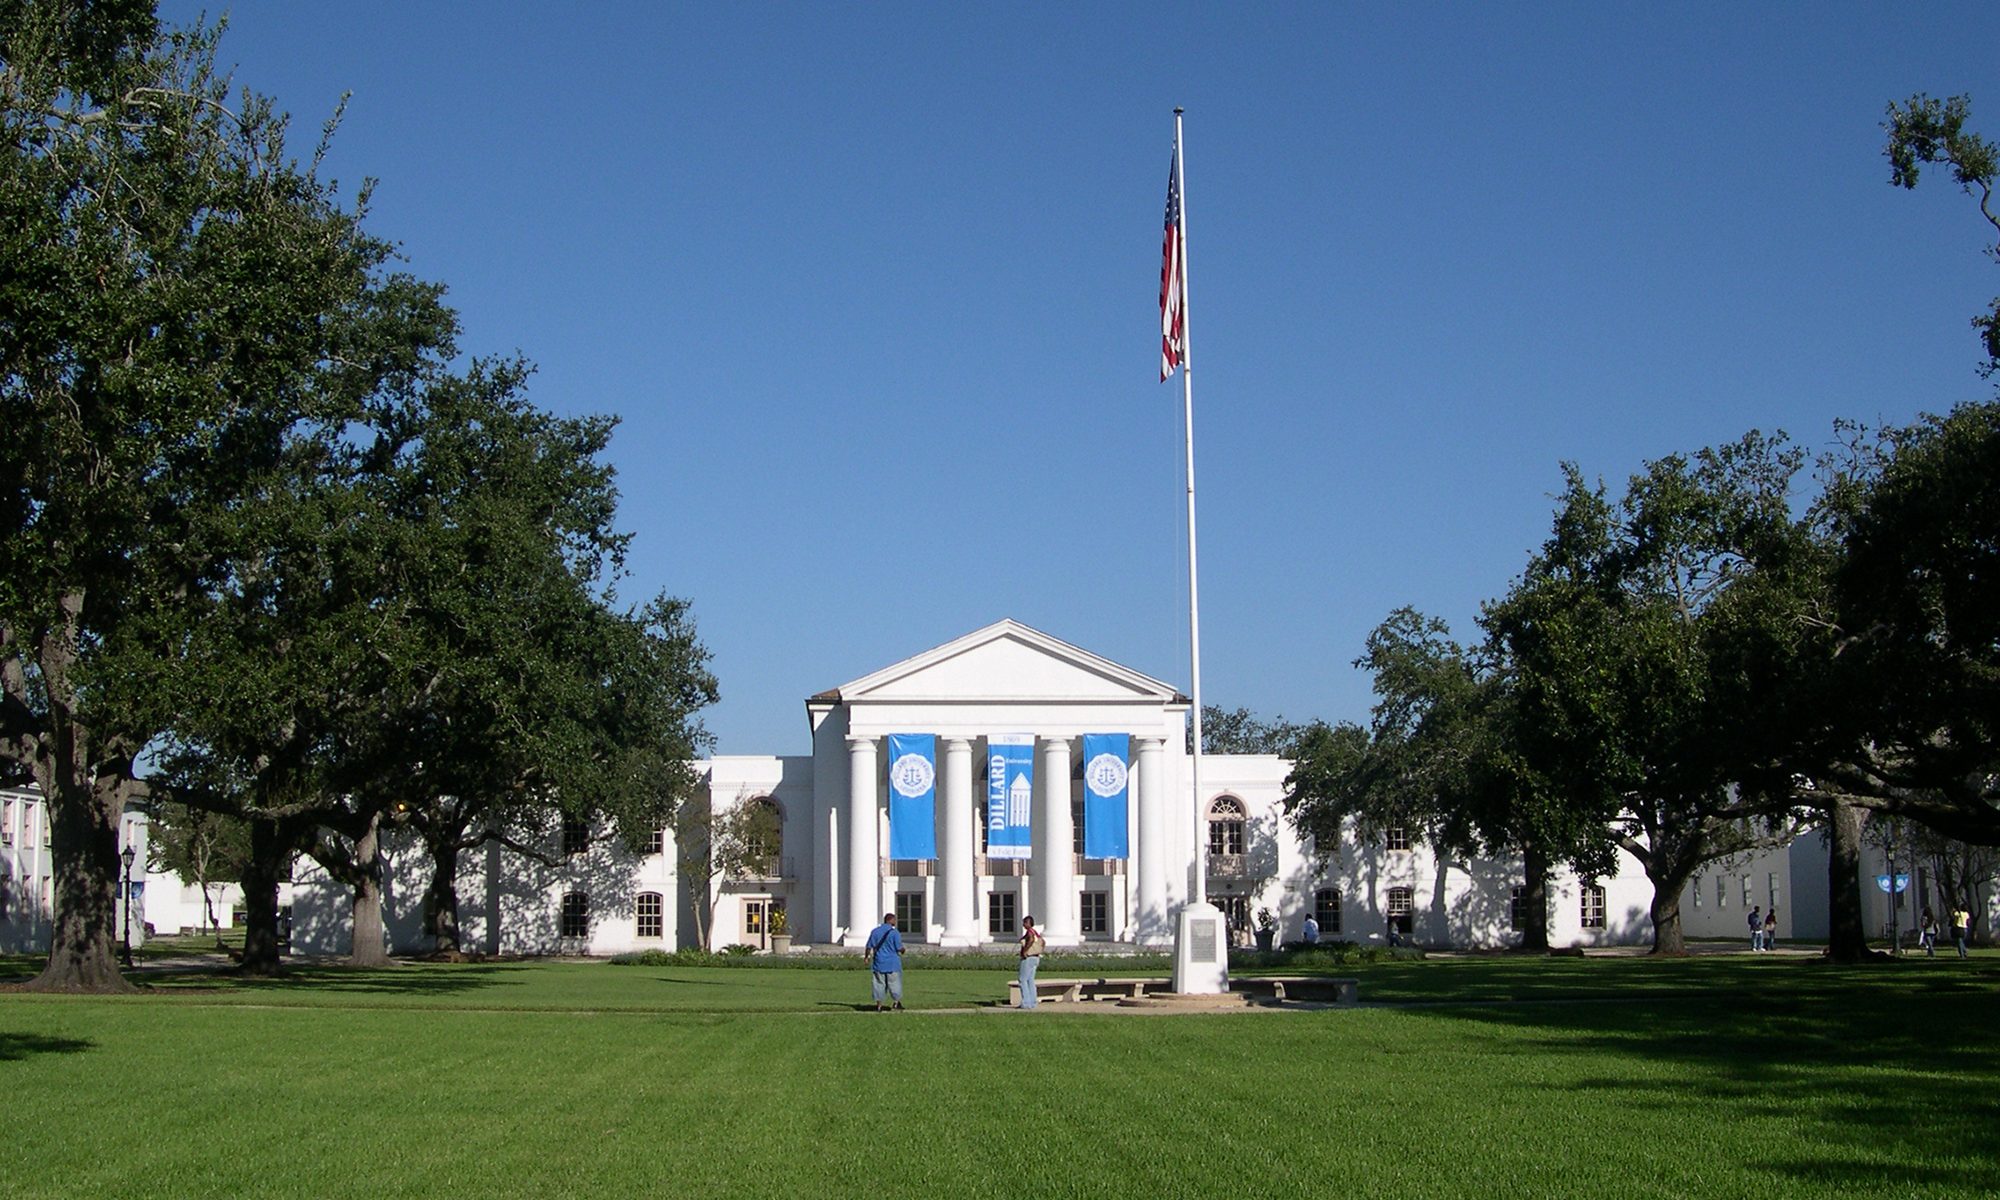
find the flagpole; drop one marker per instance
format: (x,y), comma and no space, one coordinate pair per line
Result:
(1194,594)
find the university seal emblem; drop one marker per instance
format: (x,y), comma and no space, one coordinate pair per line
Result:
(912,775)
(1105,775)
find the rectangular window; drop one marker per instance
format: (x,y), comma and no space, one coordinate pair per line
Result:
(575,915)
(1001,916)
(910,916)
(1096,911)
(1326,910)
(1721,892)
(651,922)
(656,842)
(1774,891)
(753,920)
(983,831)
(7,824)
(1517,908)
(575,836)
(1593,906)
(1697,891)
(1397,838)
(1076,826)
(1749,897)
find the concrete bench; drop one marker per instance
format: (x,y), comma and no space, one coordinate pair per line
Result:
(1314,988)
(1076,990)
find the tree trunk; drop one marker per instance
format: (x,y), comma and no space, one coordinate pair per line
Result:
(268,846)
(1535,935)
(368,949)
(1847,933)
(208,910)
(1668,936)
(83,845)
(441,898)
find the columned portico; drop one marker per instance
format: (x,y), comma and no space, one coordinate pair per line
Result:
(957,886)
(863,827)
(1054,866)
(1149,904)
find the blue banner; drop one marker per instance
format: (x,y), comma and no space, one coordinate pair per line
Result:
(1106,771)
(912,795)
(1010,794)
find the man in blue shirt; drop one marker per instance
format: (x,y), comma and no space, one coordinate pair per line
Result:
(884,953)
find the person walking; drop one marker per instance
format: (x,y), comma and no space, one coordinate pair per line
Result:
(1756,928)
(1927,932)
(1771,929)
(1032,946)
(884,953)
(1961,928)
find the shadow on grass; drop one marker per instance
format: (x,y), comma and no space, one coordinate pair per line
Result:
(425,980)
(1889,1069)
(17,1046)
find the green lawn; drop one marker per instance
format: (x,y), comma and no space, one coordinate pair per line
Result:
(1486,1077)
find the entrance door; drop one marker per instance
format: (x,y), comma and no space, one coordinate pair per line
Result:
(757,922)
(1236,914)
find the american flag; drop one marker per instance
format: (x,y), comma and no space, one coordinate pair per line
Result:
(1173,319)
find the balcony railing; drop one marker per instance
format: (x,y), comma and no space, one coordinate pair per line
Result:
(773,868)
(1234,866)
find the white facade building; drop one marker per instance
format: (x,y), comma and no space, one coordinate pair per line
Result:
(831,873)
(27,873)
(830,870)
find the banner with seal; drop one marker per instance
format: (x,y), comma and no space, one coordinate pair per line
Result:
(912,795)
(1106,774)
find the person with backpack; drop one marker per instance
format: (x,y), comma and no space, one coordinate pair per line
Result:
(884,953)
(1032,946)
(1756,928)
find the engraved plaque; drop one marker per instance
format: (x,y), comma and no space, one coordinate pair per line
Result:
(1201,941)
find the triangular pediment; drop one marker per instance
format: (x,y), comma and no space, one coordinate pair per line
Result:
(1006,661)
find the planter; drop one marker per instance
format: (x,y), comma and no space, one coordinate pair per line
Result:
(1264,939)
(781,943)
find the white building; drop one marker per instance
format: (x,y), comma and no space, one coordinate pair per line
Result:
(833,874)
(27,873)
(831,871)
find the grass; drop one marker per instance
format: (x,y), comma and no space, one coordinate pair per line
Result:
(1493,1077)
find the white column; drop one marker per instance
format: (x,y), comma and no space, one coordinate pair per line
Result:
(862,825)
(1149,904)
(1055,847)
(956,880)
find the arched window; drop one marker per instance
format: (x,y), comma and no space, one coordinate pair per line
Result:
(1326,910)
(764,838)
(1225,826)
(1398,911)
(651,921)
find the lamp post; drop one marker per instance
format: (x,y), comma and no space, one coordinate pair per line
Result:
(126,856)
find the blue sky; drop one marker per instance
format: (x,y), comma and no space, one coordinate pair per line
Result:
(873,289)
